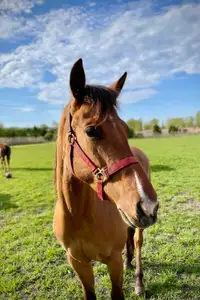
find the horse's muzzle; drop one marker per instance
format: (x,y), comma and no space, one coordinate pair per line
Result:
(144,220)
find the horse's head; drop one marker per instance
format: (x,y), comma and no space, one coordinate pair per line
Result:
(102,136)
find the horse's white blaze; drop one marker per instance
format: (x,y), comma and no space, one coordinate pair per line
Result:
(147,204)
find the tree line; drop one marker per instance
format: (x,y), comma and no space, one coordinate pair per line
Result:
(135,126)
(172,124)
(48,132)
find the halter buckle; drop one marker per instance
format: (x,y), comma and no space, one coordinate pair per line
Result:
(71,138)
(101,174)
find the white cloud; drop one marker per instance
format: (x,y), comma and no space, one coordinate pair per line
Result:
(136,96)
(18,6)
(128,37)
(24,108)
(8,25)
(17,28)
(54,93)
(92,4)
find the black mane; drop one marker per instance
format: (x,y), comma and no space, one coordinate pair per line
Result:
(102,99)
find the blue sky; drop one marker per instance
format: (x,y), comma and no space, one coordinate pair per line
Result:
(156,42)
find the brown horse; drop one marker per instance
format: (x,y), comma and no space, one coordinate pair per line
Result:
(103,189)
(5,152)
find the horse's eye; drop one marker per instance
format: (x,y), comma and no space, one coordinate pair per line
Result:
(94,132)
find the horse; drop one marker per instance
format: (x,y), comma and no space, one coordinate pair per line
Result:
(5,152)
(104,195)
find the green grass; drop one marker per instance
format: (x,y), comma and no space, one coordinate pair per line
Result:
(33,265)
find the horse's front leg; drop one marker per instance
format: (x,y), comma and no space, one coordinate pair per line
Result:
(3,164)
(129,248)
(85,273)
(8,163)
(138,241)
(115,269)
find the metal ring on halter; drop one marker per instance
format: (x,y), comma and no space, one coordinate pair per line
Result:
(71,138)
(101,174)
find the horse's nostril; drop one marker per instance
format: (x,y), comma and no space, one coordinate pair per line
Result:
(147,211)
(140,211)
(153,217)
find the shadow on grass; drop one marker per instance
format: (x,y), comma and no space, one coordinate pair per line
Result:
(5,202)
(179,271)
(34,169)
(160,168)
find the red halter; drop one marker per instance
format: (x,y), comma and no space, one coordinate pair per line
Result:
(101,174)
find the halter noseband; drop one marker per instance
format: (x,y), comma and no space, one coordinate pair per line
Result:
(101,174)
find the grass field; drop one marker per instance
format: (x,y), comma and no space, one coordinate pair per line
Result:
(33,265)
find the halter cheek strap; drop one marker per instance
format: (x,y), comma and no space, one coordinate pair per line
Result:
(101,175)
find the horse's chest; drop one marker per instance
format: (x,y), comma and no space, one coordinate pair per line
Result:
(99,243)
(96,251)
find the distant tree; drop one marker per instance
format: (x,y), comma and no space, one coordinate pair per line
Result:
(177,122)
(154,122)
(197,119)
(130,133)
(1,129)
(28,131)
(11,132)
(157,129)
(147,126)
(21,132)
(136,125)
(172,129)
(35,131)
(43,129)
(189,122)
(49,136)
(150,124)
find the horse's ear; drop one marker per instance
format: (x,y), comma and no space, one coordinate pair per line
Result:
(77,80)
(118,85)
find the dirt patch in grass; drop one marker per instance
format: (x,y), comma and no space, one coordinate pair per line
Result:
(192,204)
(186,204)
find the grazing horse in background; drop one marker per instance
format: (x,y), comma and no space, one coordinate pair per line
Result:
(5,152)
(103,189)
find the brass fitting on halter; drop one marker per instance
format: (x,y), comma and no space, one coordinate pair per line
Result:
(101,174)
(71,138)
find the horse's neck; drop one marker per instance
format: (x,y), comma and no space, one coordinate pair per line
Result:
(78,197)
(75,197)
